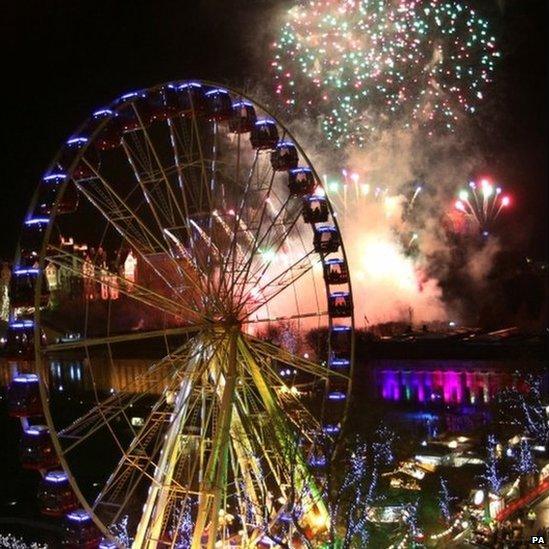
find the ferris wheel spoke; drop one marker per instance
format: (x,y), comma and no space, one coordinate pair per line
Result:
(279,283)
(89,272)
(237,216)
(244,270)
(290,398)
(174,203)
(263,266)
(287,318)
(203,247)
(138,463)
(183,188)
(164,221)
(171,219)
(157,378)
(266,349)
(120,338)
(301,478)
(128,224)
(189,161)
(115,208)
(153,517)
(152,185)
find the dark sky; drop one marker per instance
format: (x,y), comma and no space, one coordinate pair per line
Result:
(61,59)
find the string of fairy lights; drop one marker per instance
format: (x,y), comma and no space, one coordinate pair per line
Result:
(361,64)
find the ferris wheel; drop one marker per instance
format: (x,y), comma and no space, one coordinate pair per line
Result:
(184,229)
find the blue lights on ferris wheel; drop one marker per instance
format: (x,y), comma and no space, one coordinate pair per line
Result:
(31,271)
(25,378)
(108,544)
(37,430)
(129,96)
(77,141)
(55,177)
(56,477)
(337,363)
(239,104)
(216,90)
(37,221)
(189,85)
(22,324)
(102,113)
(79,516)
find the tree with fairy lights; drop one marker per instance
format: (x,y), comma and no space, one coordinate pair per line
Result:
(352,477)
(182,525)
(120,532)
(525,407)
(10,541)
(445,500)
(281,521)
(350,469)
(525,463)
(409,519)
(492,475)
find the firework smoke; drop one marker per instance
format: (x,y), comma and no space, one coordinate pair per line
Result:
(394,188)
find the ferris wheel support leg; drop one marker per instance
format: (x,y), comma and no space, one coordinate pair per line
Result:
(216,471)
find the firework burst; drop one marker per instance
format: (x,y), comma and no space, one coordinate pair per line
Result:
(362,64)
(482,202)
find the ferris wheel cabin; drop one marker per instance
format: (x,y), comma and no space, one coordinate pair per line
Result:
(340,347)
(47,194)
(20,340)
(72,148)
(243,117)
(264,135)
(55,495)
(24,396)
(336,271)
(315,209)
(22,285)
(80,531)
(219,105)
(340,305)
(326,240)
(36,450)
(191,97)
(301,181)
(284,157)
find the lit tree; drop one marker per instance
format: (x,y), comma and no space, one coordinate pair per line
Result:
(120,532)
(525,460)
(11,542)
(182,525)
(409,518)
(526,409)
(444,500)
(355,488)
(492,476)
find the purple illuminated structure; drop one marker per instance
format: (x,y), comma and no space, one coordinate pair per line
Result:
(452,386)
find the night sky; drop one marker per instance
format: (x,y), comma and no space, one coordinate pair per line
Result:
(61,60)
